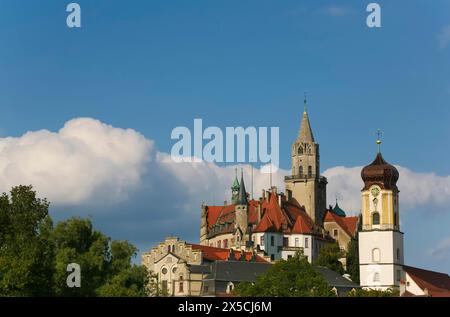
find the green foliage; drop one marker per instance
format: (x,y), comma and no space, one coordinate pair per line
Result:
(352,260)
(34,256)
(329,257)
(292,278)
(26,256)
(373,293)
(77,242)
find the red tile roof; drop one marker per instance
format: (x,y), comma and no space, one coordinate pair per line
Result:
(437,284)
(302,225)
(219,254)
(348,224)
(288,218)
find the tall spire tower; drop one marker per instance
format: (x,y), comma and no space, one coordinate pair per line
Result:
(305,185)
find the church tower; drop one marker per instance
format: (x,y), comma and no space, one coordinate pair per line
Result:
(305,185)
(241,210)
(380,240)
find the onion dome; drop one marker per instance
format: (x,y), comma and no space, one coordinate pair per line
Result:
(338,211)
(380,173)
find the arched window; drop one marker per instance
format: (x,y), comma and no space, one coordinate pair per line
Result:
(300,150)
(301,170)
(395,219)
(310,170)
(376,277)
(398,254)
(181,285)
(230,287)
(375,218)
(376,255)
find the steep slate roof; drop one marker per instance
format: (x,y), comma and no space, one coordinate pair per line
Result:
(437,284)
(233,271)
(219,254)
(334,279)
(305,134)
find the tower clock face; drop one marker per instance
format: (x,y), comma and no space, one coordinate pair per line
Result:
(375,191)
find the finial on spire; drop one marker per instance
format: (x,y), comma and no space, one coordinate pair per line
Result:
(379,134)
(305,105)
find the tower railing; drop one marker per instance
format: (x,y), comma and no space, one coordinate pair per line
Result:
(305,176)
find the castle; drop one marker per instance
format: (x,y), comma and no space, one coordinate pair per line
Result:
(280,224)
(239,241)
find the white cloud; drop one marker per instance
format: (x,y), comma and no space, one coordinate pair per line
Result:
(444,37)
(84,161)
(90,162)
(415,188)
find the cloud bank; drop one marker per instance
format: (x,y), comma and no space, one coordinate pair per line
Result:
(135,192)
(84,161)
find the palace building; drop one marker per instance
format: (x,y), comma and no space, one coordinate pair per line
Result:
(240,240)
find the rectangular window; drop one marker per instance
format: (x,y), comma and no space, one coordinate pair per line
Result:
(225,243)
(289,256)
(205,289)
(181,287)
(285,242)
(262,240)
(297,242)
(272,241)
(272,257)
(399,275)
(335,232)
(306,243)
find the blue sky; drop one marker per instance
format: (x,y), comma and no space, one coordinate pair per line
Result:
(154,65)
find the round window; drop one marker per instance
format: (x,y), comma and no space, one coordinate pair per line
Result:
(174,270)
(164,271)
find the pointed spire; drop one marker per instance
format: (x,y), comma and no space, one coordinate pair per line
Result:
(242,196)
(235,185)
(305,134)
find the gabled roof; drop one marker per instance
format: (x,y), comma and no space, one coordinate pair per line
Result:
(302,226)
(348,224)
(273,216)
(437,284)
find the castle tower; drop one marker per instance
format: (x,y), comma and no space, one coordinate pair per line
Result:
(235,189)
(305,185)
(204,226)
(380,240)
(241,209)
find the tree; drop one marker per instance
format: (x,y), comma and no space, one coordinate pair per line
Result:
(34,256)
(292,278)
(123,278)
(352,260)
(77,242)
(26,252)
(329,257)
(373,293)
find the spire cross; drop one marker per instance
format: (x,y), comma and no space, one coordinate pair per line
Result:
(379,134)
(304,102)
